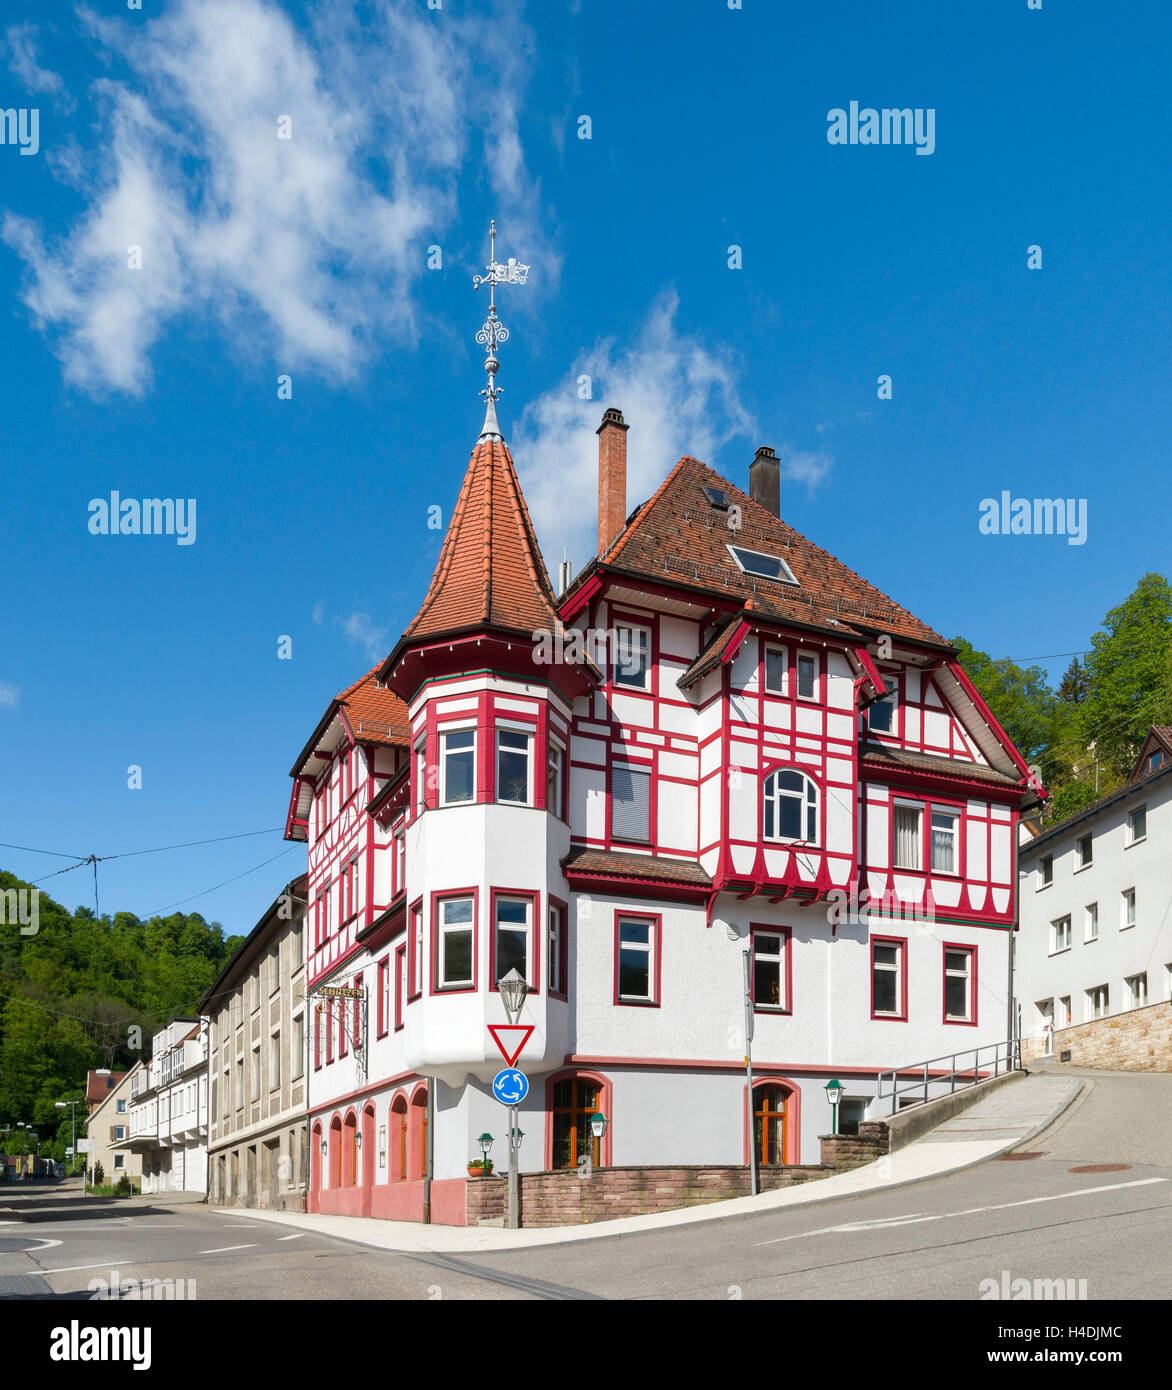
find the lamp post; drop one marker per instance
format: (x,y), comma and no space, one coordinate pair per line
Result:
(753,1182)
(72,1106)
(485,1142)
(513,989)
(834,1095)
(598,1129)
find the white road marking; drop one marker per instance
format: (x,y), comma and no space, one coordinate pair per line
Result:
(219,1250)
(102,1264)
(41,1244)
(241,1225)
(881,1222)
(299,1236)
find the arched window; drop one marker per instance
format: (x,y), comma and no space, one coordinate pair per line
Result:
(791,806)
(335,1152)
(349,1150)
(769,1123)
(399,1139)
(575,1099)
(419,1125)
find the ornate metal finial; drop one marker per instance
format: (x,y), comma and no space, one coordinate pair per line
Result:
(493,331)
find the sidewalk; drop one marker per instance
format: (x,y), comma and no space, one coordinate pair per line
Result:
(1003,1121)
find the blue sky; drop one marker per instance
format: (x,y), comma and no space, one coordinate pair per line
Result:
(411,128)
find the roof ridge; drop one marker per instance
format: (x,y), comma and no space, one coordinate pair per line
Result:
(614,550)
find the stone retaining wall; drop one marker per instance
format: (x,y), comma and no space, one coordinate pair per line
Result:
(1138,1040)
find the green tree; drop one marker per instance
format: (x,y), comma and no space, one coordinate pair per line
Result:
(1019,697)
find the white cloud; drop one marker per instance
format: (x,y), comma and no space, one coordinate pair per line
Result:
(678,393)
(305,250)
(319,612)
(21,51)
(360,628)
(806,467)
(9,695)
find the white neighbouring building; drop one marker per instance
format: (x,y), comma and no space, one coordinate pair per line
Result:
(168,1114)
(1096,906)
(762,733)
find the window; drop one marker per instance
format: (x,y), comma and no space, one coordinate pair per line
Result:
(775,670)
(1060,935)
(1063,1019)
(770,970)
(553,778)
(513,759)
(455,923)
(769,1124)
(765,566)
(274,1061)
(1137,825)
(1083,852)
(1127,909)
(636,966)
(717,497)
(851,1110)
(630,802)
(557,949)
(632,666)
(420,775)
(1098,1002)
(807,676)
(791,806)
(908,854)
(256,1072)
(384,996)
(119,1132)
(119,1161)
(1154,761)
(1090,922)
(359,987)
(1137,990)
(888,977)
(416,951)
(944,835)
(316,1040)
(960,970)
(881,714)
(120,1106)
(513,938)
(400,984)
(1045,871)
(574,1101)
(457,766)
(297,1055)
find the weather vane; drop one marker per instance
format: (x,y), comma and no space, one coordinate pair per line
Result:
(494,332)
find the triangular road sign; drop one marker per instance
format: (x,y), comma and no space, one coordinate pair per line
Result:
(496,1029)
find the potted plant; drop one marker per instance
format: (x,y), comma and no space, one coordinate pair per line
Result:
(479,1167)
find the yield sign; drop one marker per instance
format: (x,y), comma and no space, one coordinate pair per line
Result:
(496,1029)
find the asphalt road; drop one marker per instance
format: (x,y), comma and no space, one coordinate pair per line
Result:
(1012,1218)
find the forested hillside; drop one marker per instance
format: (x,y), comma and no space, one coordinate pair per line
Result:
(72,995)
(1084,736)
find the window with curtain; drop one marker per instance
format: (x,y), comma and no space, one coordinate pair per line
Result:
(907,837)
(630,802)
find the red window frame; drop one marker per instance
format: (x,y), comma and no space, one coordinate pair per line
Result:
(436,899)
(535,934)
(901,943)
(559,987)
(786,934)
(400,983)
(971,952)
(656,921)
(358,1013)
(414,966)
(381,977)
(317,1037)
(329,1031)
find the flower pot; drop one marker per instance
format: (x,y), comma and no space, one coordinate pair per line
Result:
(475,1170)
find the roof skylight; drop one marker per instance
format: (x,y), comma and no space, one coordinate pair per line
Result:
(765,566)
(718,497)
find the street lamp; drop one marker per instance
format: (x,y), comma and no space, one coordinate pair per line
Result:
(834,1095)
(485,1142)
(72,1107)
(513,989)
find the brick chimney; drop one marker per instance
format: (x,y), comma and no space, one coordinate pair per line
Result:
(765,479)
(612,477)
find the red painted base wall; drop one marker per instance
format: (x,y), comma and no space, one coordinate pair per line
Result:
(395,1201)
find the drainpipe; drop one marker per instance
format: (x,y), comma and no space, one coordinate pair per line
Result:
(1016,881)
(430,1164)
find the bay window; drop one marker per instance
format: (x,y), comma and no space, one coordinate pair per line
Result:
(513,938)
(790,806)
(557,949)
(455,923)
(457,766)
(513,762)
(553,779)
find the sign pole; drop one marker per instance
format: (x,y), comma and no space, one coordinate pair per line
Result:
(514,1176)
(749,1075)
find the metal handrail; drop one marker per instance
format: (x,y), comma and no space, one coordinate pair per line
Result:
(1010,1061)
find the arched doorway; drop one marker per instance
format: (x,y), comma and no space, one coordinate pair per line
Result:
(775,1117)
(570,1100)
(399,1138)
(314,1168)
(349,1149)
(367,1159)
(417,1134)
(335,1152)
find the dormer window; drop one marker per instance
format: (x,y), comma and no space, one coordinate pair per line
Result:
(765,566)
(881,715)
